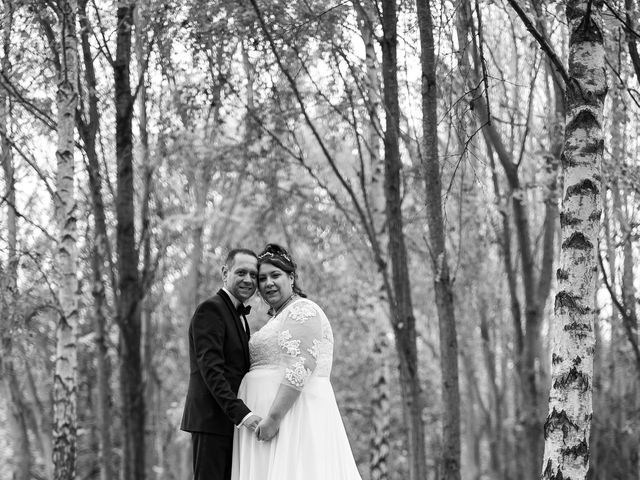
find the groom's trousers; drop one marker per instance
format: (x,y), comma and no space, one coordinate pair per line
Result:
(211,456)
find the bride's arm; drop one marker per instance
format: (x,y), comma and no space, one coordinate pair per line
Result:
(298,340)
(285,398)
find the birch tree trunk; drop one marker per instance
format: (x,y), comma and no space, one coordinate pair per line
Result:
(380,411)
(66,363)
(450,469)
(568,424)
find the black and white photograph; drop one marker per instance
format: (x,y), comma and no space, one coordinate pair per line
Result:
(319,240)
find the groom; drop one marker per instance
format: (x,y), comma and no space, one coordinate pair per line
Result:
(219,358)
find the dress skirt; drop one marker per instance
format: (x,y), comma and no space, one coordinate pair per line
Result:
(311,444)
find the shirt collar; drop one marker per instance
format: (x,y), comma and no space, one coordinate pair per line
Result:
(234,300)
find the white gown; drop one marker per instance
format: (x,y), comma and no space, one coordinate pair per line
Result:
(295,348)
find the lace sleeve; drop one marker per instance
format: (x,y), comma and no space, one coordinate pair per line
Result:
(299,340)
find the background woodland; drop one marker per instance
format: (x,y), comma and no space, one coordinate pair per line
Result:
(142,139)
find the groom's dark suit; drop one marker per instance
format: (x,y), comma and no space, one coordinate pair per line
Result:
(219,358)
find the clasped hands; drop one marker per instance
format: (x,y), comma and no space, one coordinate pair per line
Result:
(264,428)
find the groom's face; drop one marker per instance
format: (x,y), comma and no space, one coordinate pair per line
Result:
(240,277)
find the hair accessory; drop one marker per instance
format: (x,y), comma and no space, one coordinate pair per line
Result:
(271,254)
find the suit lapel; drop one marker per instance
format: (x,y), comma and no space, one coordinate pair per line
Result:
(236,320)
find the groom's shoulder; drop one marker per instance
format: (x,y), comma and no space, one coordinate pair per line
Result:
(215,302)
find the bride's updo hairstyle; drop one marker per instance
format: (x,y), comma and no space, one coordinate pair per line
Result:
(279,257)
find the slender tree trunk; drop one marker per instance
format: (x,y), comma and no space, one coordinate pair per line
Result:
(21,459)
(442,282)
(568,425)
(374,171)
(495,409)
(201,187)
(504,240)
(616,223)
(145,314)
(536,287)
(366,23)
(64,382)
(397,288)
(101,254)
(103,367)
(39,420)
(631,14)
(5,152)
(129,288)
(401,305)
(380,411)
(12,393)
(630,401)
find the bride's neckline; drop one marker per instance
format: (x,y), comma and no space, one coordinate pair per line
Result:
(274,313)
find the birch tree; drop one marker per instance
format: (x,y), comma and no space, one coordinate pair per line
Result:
(66,363)
(568,424)
(381,413)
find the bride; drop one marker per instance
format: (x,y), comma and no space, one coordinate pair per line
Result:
(301,435)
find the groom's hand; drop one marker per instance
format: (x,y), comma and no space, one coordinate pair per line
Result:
(267,429)
(252,422)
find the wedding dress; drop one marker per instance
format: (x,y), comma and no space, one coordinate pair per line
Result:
(295,348)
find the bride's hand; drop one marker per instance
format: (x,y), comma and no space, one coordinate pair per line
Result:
(267,429)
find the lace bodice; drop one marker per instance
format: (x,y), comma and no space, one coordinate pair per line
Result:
(299,340)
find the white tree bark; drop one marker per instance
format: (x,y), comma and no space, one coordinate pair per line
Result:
(379,456)
(568,423)
(64,383)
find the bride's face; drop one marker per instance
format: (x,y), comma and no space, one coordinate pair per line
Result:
(275,285)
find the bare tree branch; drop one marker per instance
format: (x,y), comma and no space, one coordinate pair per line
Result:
(627,320)
(541,40)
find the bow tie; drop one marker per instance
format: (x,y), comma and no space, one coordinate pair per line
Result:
(243,309)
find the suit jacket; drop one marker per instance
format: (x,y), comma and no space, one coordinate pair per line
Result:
(219,358)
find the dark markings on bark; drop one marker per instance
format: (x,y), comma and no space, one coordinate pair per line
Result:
(593,148)
(566,219)
(585,187)
(573,377)
(556,359)
(585,120)
(595,215)
(569,159)
(549,475)
(577,241)
(588,30)
(566,300)
(575,326)
(577,360)
(562,274)
(588,148)
(558,420)
(576,451)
